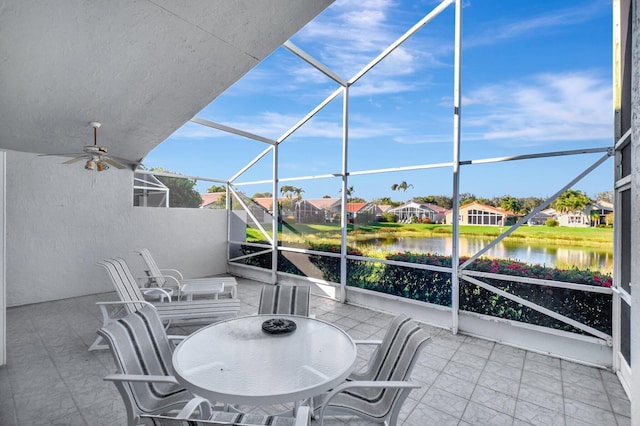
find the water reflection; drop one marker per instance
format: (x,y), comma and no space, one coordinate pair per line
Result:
(548,255)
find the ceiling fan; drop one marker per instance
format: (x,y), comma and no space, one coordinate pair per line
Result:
(95,155)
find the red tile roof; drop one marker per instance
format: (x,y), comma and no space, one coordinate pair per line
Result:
(210,198)
(355,207)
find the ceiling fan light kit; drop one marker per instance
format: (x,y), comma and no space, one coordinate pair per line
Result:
(101,166)
(97,159)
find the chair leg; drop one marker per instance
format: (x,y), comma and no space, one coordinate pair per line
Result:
(96,345)
(106,319)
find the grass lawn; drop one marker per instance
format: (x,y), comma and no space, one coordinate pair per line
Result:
(331,232)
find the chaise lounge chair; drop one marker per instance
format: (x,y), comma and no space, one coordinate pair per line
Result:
(198,311)
(173,278)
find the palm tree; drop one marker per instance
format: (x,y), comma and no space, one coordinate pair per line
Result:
(289,191)
(595,217)
(401,186)
(511,204)
(349,191)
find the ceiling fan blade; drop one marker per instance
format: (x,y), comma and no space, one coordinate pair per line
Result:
(75,160)
(63,154)
(114,163)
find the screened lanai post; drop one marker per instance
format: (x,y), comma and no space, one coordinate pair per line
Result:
(233,130)
(343,208)
(227,205)
(455,246)
(275,217)
(313,62)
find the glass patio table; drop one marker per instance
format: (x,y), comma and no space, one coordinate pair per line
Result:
(235,361)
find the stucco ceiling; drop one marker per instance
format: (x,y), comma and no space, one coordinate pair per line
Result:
(141,68)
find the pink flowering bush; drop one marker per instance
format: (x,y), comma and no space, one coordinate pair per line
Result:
(592,309)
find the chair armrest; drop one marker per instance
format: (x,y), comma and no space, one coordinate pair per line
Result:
(121,302)
(106,318)
(175,340)
(173,271)
(405,385)
(368,342)
(170,281)
(196,403)
(174,281)
(150,290)
(140,378)
(142,280)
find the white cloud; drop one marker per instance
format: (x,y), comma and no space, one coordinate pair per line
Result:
(539,109)
(425,139)
(498,31)
(547,107)
(380,87)
(352,34)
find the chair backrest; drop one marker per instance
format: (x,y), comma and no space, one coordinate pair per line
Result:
(394,361)
(139,345)
(284,299)
(382,351)
(224,418)
(124,282)
(153,270)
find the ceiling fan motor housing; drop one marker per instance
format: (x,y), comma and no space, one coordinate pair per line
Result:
(95,150)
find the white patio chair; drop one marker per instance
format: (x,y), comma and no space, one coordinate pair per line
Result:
(192,414)
(131,298)
(174,278)
(284,299)
(382,348)
(377,394)
(142,354)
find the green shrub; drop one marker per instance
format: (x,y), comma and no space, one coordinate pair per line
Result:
(389,217)
(592,309)
(551,222)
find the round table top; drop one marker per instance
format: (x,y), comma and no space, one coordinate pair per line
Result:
(236,361)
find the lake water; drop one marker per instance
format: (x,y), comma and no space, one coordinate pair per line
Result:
(562,257)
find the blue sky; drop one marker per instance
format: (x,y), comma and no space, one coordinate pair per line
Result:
(536,77)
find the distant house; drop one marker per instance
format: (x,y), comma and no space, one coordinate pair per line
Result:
(582,218)
(383,208)
(575,219)
(603,208)
(261,208)
(320,210)
(265,202)
(542,217)
(422,212)
(361,212)
(380,209)
(482,214)
(210,200)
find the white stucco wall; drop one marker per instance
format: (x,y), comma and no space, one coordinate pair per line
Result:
(61,219)
(635,216)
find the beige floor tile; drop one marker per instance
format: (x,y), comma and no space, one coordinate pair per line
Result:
(465,380)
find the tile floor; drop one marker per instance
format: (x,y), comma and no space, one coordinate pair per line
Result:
(51,378)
